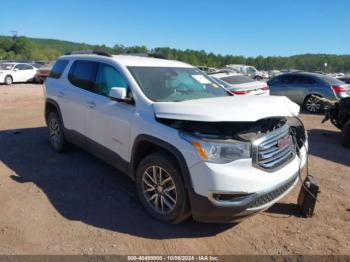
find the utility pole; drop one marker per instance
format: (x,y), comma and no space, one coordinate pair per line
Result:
(14,33)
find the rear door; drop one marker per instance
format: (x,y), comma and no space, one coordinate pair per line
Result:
(76,96)
(299,87)
(28,72)
(110,121)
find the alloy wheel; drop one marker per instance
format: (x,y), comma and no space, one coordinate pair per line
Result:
(55,132)
(313,105)
(159,190)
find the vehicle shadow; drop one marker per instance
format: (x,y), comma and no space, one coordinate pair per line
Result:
(326,144)
(290,209)
(84,188)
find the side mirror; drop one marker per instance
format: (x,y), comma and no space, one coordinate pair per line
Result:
(15,69)
(119,94)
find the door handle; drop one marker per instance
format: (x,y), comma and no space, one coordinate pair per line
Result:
(91,104)
(60,94)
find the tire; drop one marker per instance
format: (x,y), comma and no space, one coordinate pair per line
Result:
(8,80)
(312,105)
(345,135)
(56,136)
(165,201)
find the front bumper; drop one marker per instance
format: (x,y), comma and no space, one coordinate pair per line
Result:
(252,189)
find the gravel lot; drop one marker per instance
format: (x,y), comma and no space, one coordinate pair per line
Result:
(73,203)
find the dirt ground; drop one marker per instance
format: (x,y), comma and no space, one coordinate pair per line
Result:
(73,203)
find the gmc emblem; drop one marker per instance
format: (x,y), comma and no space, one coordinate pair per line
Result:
(282,142)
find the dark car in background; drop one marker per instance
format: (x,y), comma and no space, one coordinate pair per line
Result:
(302,87)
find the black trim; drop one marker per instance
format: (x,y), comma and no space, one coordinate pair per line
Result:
(166,146)
(97,150)
(55,104)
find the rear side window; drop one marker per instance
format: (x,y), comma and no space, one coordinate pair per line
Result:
(82,74)
(328,80)
(58,68)
(303,80)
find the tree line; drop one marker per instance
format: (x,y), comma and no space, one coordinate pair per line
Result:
(23,48)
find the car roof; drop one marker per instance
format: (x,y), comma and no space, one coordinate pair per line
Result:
(131,60)
(304,74)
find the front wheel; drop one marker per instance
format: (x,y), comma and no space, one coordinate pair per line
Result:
(312,104)
(8,80)
(161,189)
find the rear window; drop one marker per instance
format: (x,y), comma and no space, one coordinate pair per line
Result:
(58,68)
(82,74)
(235,80)
(331,80)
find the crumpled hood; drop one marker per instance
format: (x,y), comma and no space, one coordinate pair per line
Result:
(227,109)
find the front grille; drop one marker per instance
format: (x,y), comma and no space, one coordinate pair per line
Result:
(270,196)
(274,150)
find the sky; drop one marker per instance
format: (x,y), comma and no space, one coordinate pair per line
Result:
(237,27)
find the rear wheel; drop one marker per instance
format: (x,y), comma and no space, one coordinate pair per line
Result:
(312,104)
(56,135)
(160,188)
(8,80)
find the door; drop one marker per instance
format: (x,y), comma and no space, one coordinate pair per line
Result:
(76,96)
(18,73)
(109,121)
(299,87)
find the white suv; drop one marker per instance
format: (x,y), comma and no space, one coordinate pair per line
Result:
(191,147)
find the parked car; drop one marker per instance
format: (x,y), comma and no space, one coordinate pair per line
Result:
(190,146)
(345,79)
(239,84)
(42,73)
(247,70)
(16,72)
(273,73)
(301,86)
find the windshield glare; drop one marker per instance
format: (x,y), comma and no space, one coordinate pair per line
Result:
(6,66)
(169,84)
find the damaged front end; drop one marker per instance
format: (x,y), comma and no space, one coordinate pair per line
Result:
(271,142)
(339,115)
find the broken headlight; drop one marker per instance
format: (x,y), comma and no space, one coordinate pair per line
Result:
(218,151)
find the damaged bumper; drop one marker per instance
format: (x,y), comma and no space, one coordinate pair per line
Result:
(234,193)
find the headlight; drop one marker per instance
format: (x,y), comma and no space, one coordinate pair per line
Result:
(218,151)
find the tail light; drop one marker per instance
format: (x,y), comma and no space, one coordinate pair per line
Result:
(238,92)
(338,89)
(266,88)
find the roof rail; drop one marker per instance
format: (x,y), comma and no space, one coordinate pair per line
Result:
(88,52)
(154,55)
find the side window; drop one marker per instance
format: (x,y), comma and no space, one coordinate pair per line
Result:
(106,78)
(19,67)
(289,79)
(304,80)
(27,67)
(57,70)
(82,74)
(275,81)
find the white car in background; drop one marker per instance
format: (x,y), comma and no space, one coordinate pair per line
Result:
(16,72)
(247,70)
(239,84)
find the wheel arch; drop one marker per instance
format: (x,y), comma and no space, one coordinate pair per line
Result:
(51,105)
(146,144)
(8,75)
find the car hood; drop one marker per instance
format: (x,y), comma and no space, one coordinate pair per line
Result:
(227,109)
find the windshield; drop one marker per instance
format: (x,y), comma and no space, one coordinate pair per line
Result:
(169,84)
(236,80)
(6,66)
